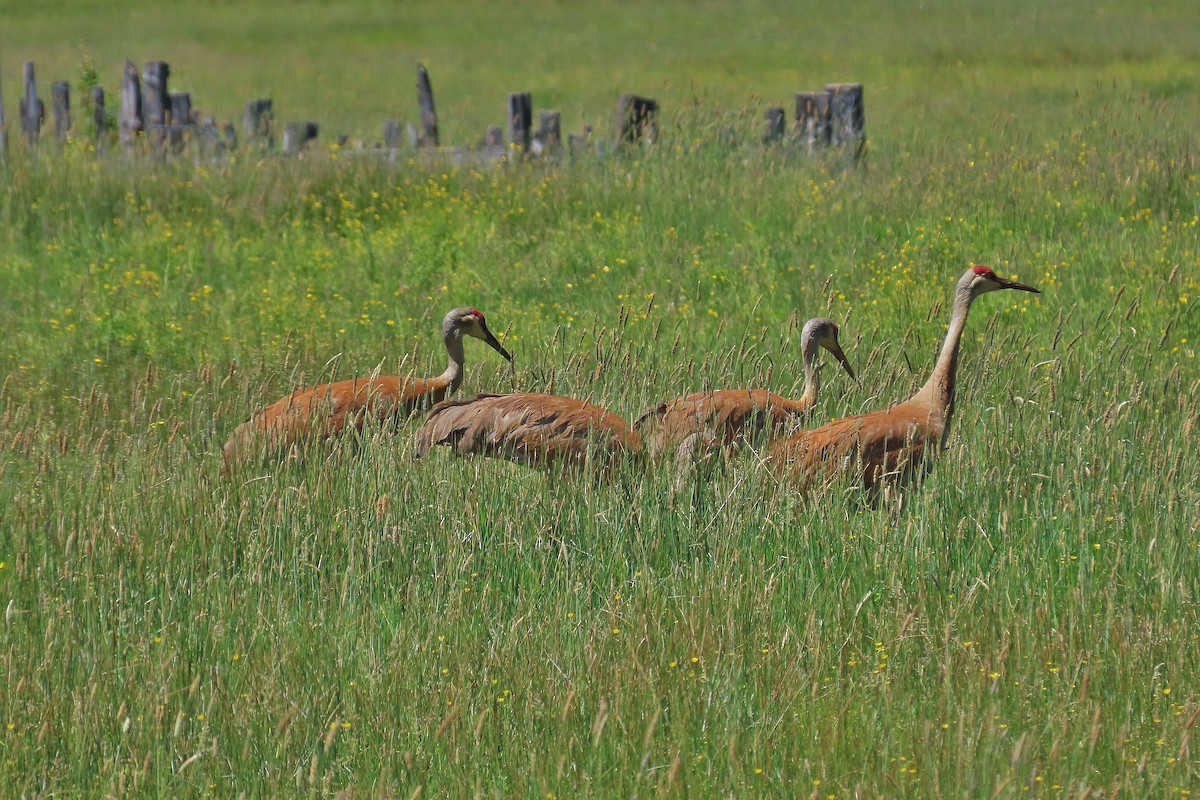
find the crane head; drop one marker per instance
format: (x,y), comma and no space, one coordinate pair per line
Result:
(470,321)
(825,333)
(980,279)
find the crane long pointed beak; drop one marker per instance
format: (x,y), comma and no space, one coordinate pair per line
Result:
(845,362)
(494,343)
(1008,283)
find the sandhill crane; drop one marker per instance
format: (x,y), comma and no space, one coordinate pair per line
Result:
(330,409)
(897,442)
(730,417)
(538,430)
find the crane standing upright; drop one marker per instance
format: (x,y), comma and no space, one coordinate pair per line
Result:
(899,442)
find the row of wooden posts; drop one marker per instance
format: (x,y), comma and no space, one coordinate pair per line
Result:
(166,122)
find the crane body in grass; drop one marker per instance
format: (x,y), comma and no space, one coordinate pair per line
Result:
(332,409)
(537,430)
(731,417)
(897,443)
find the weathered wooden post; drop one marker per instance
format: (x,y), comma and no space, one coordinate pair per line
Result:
(392,134)
(775,123)
(636,119)
(549,135)
(156,102)
(3,130)
(130,119)
(99,117)
(577,142)
(231,142)
(258,120)
(298,134)
(33,110)
(520,120)
(208,138)
(429,122)
(848,119)
(812,120)
(60,102)
(181,119)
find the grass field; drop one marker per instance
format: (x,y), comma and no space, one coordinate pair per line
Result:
(360,621)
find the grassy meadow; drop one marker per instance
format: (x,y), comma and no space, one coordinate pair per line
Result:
(361,623)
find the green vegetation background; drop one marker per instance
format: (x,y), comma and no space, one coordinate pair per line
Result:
(1026,626)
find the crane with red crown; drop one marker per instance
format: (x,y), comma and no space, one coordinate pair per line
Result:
(896,443)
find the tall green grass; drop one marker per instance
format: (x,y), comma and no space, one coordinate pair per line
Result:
(359,620)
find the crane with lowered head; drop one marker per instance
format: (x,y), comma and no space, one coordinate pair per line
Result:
(537,430)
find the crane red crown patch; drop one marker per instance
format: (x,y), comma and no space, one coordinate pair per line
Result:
(982,270)
(477,313)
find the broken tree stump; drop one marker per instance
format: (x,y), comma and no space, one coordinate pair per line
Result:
(156,102)
(33,110)
(130,117)
(99,117)
(812,120)
(296,135)
(775,121)
(3,131)
(548,140)
(60,102)
(520,120)
(848,119)
(180,121)
(637,119)
(392,134)
(258,120)
(428,137)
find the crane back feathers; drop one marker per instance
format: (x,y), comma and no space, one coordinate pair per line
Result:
(533,429)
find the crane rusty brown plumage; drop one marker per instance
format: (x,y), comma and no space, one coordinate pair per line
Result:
(731,417)
(896,443)
(331,409)
(538,430)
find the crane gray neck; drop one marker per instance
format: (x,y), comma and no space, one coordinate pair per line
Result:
(810,350)
(939,389)
(453,337)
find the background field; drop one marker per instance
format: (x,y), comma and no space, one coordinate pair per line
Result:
(1027,626)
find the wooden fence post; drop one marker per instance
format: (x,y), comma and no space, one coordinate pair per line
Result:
(208,138)
(33,110)
(181,119)
(298,134)
(60,101)
(231,142)
(774,125)
(848,119)
(812,120)
(155,101)
(548,141)
(429,122)
(520,120)
(99,117)
(392,134)
(130,118)
(3,130)
(577,142)
(636,119)
(258,120)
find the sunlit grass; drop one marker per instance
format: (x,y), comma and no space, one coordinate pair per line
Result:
(359,619)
